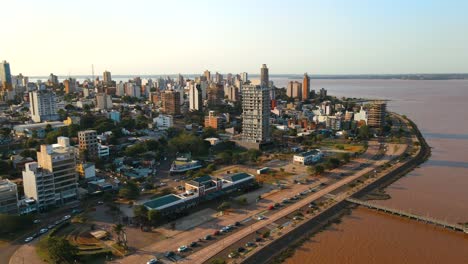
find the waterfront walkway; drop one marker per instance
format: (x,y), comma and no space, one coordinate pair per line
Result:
(408,215)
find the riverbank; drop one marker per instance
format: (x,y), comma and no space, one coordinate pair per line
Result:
(282,248)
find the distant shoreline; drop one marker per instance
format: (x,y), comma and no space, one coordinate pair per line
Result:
(431,76)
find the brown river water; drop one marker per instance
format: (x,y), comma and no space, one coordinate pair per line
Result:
(438,188)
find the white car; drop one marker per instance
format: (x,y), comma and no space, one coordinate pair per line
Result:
(37,221)
(260,217)
(67,217)
(182,248)
(28,239)
(152,261)
(43,231)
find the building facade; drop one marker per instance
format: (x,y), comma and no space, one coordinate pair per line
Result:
(8,197)
(306,87)
(195,97)
(87,142)
(171,102)
(256,114)
(43,106)
(376,115)
(103,101)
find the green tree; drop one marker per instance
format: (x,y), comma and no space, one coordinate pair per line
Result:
(364,132)
(319,169)
(119,231)
(154,216)
(130,191)
(60,249)
(141,213)
(345,157)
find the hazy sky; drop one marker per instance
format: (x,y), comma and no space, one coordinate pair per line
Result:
(291,36)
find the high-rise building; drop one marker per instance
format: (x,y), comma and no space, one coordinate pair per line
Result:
(107,78)
(70,85)
(255,114)
(53,79)
(195,97)
(215,94)
(376,114)
(264,77)
(218,78)
(132,90)
(294,90)
(232,93)
(88,143)
(103,101)
(245,77)
(323,93)
(120,89)
(207,75)
(43,106)
(5,76)
(171,102)
(52,180)
(305,87)
(8,197)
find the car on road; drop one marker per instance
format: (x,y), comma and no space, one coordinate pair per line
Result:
(237,224)
(193,244)
(260,217)
(224,229)
(250,244)
(51,226)
(169,254)
(258,239)
(240,249)
(66,217)
(28,239)
(285,200)
(36,221)
(182,248)
(43,231)
(297,218)
(152,261)
(233,254)
(216,233)
(208,237)
(100,202)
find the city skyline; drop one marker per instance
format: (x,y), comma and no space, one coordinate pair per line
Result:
(389,37)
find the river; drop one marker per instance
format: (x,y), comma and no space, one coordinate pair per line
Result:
(438,188)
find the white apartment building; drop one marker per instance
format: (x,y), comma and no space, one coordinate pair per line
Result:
(256,114)
(163,121)
(52,180)
(43,106)
(195,97)
(103,101)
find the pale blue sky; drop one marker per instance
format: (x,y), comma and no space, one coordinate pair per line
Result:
(291,36)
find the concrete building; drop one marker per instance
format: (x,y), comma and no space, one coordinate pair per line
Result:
(37,129)
(114,116)
(245,77)
(323,93)
(103,151)
(107,78)
(215,94)
(232,93)
(87,142)
(376,117)
(309,157)
(256,114)
(5,76)
(163,121)
(52,180)
(264,76)
(8,197)
(305,87)
(171,102)
(86,171)
(294,90)
(103,101)
(43,106)
(132,90)
(69,85)
(361,115)
(195,97)
(212,120)
(207,75)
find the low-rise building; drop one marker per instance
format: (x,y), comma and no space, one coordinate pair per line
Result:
(164,121)
(86,171)
(37,129)
(308,157)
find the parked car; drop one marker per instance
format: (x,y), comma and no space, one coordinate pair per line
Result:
(36,221)
(216,233)
(182,248)
(260,217)
(208,237)
(250,244)
(169,254)
(28,239)
(152,261)
(240,249)
(43,231)
(193,244)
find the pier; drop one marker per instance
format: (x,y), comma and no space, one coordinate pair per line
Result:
(425,219)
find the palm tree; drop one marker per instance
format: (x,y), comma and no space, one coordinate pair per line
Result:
(119,230)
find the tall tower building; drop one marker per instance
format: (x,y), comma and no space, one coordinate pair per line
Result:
(87,142)
(376,115)
(255,114)
(207,75)
(171,102)
(195,97)
(107,78)
(305,87)
(5,76)
(245,77)
(53,79)
(215,94)
(264,78)
(43,106)
(52,180)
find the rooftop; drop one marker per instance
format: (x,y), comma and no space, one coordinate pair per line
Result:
(309,153)
(161,201)
(237,176)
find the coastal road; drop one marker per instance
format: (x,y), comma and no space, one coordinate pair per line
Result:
(208,252)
